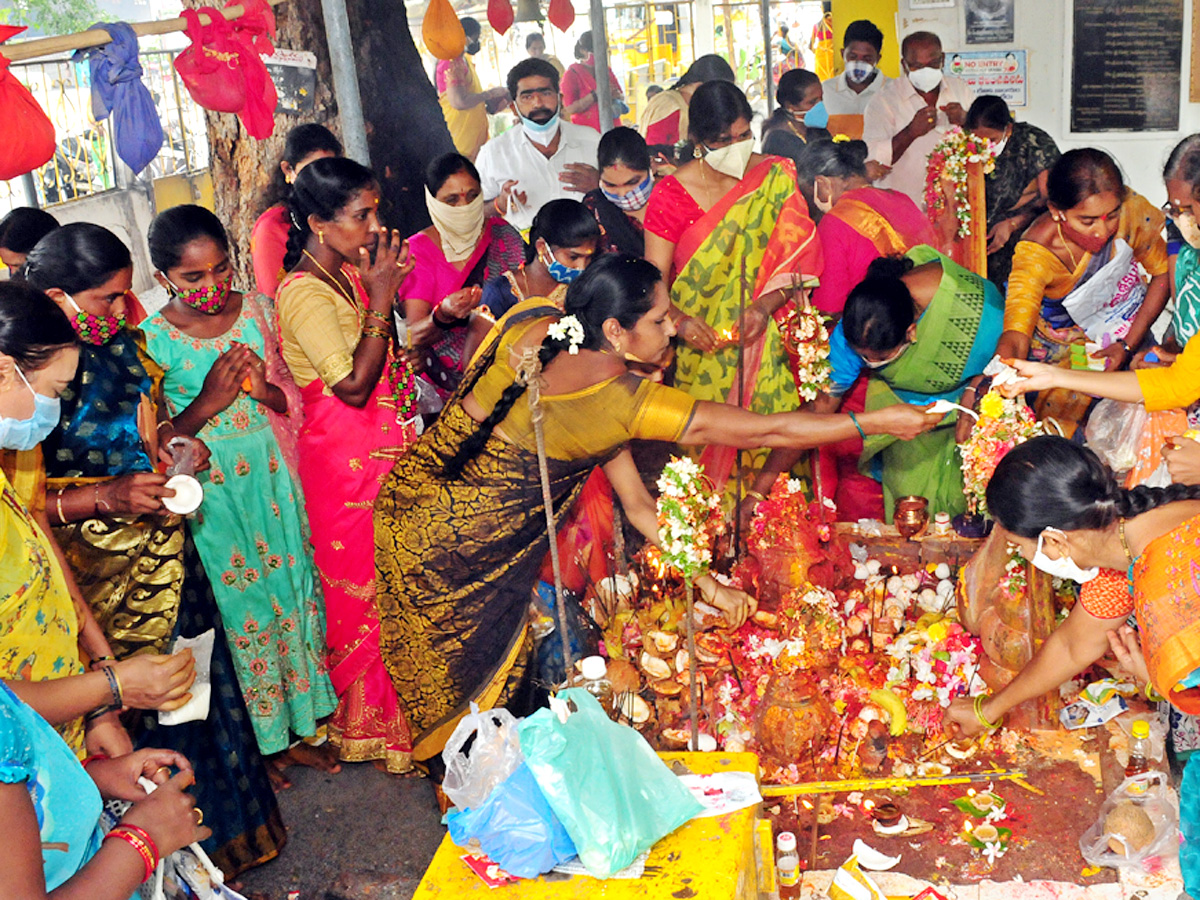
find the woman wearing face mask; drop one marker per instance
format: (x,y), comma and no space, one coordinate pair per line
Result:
(133,559)
(857,224)
(799,118)
(336,311)
(1082,255)
(664,121)
(213,343)
(579,88)
(619,204)
(1016,189)
(268,239)
(1182,175)
(452,259)
(563,239)
(459,523)
(1134,550)
(729,230)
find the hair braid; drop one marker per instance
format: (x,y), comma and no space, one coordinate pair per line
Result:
(1135,501)
(298,235)
(471,447)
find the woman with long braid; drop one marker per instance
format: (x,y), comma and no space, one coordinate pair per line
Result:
(1134,551)
(359,397)
(460,525)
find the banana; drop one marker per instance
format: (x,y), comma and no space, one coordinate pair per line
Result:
(894,707)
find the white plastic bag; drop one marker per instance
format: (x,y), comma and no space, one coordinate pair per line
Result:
(196,709)
(1114,433)
(1149,793)
(473,771)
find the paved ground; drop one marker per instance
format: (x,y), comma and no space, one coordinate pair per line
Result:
(357,835)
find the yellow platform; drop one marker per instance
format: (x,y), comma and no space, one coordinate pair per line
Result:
(706,859)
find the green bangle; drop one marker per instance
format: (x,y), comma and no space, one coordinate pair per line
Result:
(853,418)
(979,713)
(1153,695)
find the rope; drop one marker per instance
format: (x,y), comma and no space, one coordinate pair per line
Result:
(529,373)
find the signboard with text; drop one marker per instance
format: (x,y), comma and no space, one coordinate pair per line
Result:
(999,72)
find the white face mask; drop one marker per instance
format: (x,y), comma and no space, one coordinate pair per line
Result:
(1186,223)
(731,159)
(459,226)
(858,71)
(926,79)
(826,204)
(1063,567)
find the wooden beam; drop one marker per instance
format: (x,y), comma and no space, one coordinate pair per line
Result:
(97,37)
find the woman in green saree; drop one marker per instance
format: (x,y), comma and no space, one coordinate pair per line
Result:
(460,527)
(924,327)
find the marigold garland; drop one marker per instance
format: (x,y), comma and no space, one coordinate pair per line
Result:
(948,162)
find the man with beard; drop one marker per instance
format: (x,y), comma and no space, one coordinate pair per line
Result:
(464,102)
(544,158)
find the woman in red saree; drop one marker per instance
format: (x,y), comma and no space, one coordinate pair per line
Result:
(730,231)
(359,401)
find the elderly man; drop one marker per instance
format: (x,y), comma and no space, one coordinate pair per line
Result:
(541,159)
(909,115)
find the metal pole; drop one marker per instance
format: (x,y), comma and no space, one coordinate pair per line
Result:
(765,11)
(345,80)
(604,100)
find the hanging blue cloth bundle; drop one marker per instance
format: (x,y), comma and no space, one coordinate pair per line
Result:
(117,88)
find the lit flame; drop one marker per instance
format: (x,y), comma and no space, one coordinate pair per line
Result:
(655,561)
(807,805)
(967,827)
(868,805)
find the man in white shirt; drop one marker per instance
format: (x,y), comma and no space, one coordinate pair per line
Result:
(541,159)
(910,115)
(847,95)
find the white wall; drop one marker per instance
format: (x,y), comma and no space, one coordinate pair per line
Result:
(127,214)
(1043,28)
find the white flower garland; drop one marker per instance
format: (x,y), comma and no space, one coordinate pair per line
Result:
(568,329)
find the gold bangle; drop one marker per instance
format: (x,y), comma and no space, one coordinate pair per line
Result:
(756,495)
(62,518)
(979,698)
(380,317)
(376,331)
(164,423)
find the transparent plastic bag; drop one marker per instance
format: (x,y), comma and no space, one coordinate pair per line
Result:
(515,827)
(615,797)
(482,752)
(1114,431)
(1133,840)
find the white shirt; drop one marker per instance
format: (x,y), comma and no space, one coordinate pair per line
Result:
(512,156)
(892,108)
(841,99)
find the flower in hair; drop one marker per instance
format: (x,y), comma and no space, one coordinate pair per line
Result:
(568,329)
(841,138)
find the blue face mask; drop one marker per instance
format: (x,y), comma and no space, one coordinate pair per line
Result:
(817,117)
(561,273)
(540,133)
(25,434)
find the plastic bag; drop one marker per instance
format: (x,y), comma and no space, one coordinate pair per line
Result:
(28,132)
(515,827)
(1129,440)
(484,749)
(609,788)
(1133,838)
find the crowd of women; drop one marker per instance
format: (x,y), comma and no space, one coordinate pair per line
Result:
(372,521)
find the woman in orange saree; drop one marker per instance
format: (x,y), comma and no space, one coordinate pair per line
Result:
(359,408)
(730,232)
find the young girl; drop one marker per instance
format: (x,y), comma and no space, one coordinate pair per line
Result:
(211,342)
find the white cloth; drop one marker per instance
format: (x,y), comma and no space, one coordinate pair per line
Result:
(891,109)
(512,156)
(841,100)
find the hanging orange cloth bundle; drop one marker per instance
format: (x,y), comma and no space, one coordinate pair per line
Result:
(28,132)
(500,15)
(442,32)
(561,14)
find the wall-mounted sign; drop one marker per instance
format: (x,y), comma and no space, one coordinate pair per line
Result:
(989,21)
(295,75)
(999,72)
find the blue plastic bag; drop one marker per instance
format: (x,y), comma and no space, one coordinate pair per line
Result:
(609,788)
(515,827)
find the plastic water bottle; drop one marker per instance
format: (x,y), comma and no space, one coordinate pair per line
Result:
(787,863)
(595,681)
(1139,749)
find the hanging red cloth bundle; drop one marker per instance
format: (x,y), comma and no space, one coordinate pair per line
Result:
(561,14)
(222,68)
(28,132)
(500,15)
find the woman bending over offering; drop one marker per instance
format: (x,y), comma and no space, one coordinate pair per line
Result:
(459,523)
(1134,552)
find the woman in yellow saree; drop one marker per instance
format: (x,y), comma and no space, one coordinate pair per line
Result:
(731,230)
(460,525)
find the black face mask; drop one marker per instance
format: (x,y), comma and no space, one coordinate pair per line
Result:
(473,47)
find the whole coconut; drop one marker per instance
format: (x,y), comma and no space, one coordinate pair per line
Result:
(1129,821)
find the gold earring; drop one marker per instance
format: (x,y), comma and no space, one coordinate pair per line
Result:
(290,179)
(697,153)
(320,237)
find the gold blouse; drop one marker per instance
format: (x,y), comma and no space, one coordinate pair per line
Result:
(587,422)
(1038,273)
(320,328)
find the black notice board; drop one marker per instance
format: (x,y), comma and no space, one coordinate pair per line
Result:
(1125,75)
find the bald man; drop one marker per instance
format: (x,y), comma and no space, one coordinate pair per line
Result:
(909,115)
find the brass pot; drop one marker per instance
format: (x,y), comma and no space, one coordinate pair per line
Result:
(912,516)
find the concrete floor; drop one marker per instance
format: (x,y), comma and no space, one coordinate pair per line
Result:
(356,835)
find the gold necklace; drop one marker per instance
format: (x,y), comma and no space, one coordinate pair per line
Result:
(1066,246)
(1124,540)
(337,284)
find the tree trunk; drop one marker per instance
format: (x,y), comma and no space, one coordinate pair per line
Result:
(404,122)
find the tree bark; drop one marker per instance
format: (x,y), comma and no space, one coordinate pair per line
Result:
(405,128)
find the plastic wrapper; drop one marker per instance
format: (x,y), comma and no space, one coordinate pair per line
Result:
(1129,440)
(1137,821)
(515,827)
(609,788)
(483,751)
